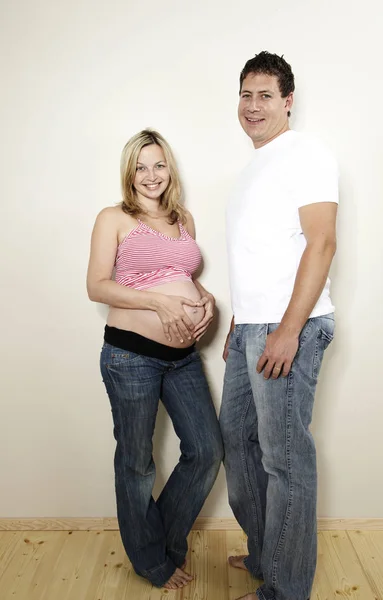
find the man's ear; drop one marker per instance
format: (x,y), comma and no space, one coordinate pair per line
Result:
(289,101)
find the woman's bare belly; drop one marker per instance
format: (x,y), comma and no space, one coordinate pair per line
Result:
(147,322)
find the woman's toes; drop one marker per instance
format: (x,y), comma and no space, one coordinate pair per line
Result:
(173,583)
(178,580)
(169,586)
(187,576)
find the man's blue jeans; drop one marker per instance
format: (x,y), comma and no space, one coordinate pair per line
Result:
(270,457)
(154,533)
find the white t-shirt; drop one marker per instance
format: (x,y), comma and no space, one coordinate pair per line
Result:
(264,235)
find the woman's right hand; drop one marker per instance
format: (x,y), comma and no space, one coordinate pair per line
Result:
(173,317)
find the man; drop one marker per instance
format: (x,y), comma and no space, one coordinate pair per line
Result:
(281,241)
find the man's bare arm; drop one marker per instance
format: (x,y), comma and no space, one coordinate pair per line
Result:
(226,346)
(318,222)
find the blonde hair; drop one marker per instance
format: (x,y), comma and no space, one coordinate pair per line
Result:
(170,200)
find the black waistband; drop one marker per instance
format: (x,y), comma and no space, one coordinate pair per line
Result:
(134,342)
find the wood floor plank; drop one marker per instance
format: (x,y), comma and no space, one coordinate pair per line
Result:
(369,548)
(110,576)
(9,543)
(217,577)
(198,567)
(137,587)
(35,577)
(19,578)
(339,572)
(90,565)
(90,568)
(240,582)
(10,579)
(65,569)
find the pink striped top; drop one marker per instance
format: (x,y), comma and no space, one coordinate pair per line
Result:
(147,257)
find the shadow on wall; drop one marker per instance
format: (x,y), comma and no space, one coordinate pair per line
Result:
(337,357)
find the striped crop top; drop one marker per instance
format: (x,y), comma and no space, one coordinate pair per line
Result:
(146,257)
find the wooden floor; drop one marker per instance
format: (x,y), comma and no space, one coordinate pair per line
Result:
(91,565)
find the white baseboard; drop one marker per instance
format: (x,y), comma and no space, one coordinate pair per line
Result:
(210,523)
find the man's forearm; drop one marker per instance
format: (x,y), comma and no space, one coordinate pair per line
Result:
(309,283)
(231,325)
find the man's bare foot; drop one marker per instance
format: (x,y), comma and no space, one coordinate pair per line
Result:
(178,580)
(237,562)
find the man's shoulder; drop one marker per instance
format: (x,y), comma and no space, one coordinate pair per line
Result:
(313,171)
(309,144)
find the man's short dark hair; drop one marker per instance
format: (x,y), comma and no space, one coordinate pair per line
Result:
(270,64)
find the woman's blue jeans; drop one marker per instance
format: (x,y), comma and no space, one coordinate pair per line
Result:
(154,532)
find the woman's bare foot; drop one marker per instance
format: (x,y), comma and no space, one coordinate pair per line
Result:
(237,562)
(178,580)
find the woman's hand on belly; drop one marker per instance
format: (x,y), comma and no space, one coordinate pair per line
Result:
(173,317)
(208,302)
(148,323)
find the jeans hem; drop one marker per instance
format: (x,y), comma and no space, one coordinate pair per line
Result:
(260,595)
(158,576)
(177,557)
(256,574)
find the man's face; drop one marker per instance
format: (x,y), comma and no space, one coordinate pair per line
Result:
(262,111)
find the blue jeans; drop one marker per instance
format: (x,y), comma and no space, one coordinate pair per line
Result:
(270,457)
(154,533)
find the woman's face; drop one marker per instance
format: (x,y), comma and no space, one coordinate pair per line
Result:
(152,173)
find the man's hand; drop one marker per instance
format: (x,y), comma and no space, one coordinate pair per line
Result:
(281,348)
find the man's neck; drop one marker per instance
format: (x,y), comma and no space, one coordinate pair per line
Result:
(285,128)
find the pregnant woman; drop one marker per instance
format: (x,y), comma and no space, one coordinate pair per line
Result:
(157,312)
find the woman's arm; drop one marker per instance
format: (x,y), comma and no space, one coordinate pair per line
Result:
(99,282)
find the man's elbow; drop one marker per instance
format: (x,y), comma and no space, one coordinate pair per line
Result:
(330,247)
(325,246)
(333,245)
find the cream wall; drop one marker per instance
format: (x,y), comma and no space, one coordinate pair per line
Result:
(78,79)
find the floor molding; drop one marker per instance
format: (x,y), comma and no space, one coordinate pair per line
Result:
(206,523)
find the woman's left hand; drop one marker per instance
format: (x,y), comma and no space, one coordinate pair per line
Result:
(208,301)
